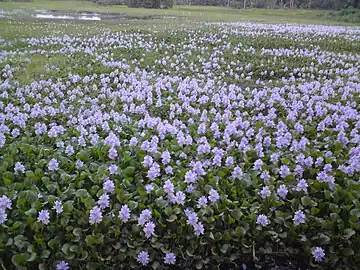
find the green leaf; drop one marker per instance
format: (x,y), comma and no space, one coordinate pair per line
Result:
(68,206)
(77,231)
(90,240)
(348,233)
(65,248)
(306,201)
(240,231)
(172,218)
(348,252)
(19,259)
(83,155)
(199,265)
(132,205)
(236,213)
(129,171)
(314,210)
(81,193)
(45,254)
(225,248)
(32,257)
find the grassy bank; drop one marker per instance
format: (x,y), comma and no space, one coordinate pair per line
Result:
(193,13)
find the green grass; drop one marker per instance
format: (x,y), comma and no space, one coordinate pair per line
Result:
(193,13)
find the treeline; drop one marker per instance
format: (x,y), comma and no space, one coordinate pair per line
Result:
(292,4)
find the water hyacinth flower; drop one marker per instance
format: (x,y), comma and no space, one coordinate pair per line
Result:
(62,265)
(109,186)
(58,207)
(79,164)
(95,215)
(318,254)
(113,169)
(149,188)
(154,171)
(165,156)
(213,195)
(5,202)
(19,168)
(144,217)
(44,217)
(124,213)
(180,198)
(170,258)
(198,229)
(262,220)
(143,258)
(104,201)
(282,191)
(148,161)
(149,229)
(301,185)
(169,170)
(202,201)
(168,187)
(192,218)
(265,192)
(299,217)
(53,165)
(3,216)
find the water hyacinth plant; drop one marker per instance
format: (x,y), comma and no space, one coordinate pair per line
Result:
(224,144)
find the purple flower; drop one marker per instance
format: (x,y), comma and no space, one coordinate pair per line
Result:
(154,171)
(318,253)
(213,195)
(19,168)
(5,202)
(53,165)
(44,217)
(202,202)
(168,187)
(301,186)
(282,191)
(198,228)
(284,171)
(190,177)
(229,161)
(149,229)
(169,170)
(133,141)
(149,188)
(3,216)
(79,164)
(165,156)
(237,173)
(170,258)
(144,217)
(258,164)
(265,192)
(299,217)
(180,197)
(62,266)
(113,169)
(109,186)
(112,153)
(103,201)
(262,220)
(124,213)
(95,215)
(148,161)
(192,218)
(69,150)
(58,207)
(143,258)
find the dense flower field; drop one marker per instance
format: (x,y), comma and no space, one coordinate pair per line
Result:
(226,144)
